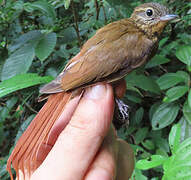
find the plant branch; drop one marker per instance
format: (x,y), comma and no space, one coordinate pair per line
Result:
(76,24)
(97,9)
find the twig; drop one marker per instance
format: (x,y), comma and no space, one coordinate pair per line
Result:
(163,69)
(76,24)
(30,108)
(26,104)
(97,9)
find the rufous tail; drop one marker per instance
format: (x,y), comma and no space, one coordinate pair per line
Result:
(24,156)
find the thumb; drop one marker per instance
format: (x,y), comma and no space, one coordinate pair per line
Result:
(80,141)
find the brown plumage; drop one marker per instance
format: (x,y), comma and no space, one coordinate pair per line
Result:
(114,51)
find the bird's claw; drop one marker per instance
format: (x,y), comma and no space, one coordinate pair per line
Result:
(122,113)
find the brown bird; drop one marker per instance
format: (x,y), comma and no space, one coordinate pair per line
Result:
(113,52)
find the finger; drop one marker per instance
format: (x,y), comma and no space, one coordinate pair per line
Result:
(104,164)
(59,125)
(120,88)
(125,163)
(78,144)
(63,120)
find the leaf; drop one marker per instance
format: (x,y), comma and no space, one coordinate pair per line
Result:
(187,112)
(130,87)
(157,60)
(168,80)
(174,137)
(175,93)
(68,35)
(184,76)
(163,41)
(34,35)
(148,85)
(21,81)
(164,115)
(4,113)
(43,6)
(133,98)
(19,62)
(45,46)
(184,54)
(141,134)
(179,165)
(153,161)
(153,108)
(67,3)
(138,116)
(185,128)
(189,98)
(148,144)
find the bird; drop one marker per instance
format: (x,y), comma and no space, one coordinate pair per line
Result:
(112,53)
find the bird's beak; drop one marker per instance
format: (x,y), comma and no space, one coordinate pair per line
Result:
(168,17)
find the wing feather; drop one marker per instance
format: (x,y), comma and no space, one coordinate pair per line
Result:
(104,55)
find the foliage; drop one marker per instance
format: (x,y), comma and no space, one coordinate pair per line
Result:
(176,166)
(37,38)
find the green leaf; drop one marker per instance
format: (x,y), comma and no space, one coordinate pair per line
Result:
(67,3)
(187,112)
(164,115)
(157,60)
(179,165)
(153,161)
(4,113)
(45,46)
(148,85)
(163,41)
(138,116)
(188,68)
(175,93)
(43,6)
(141,135)
(19,62)
(153,108)
(130,87)
(68,35)
(184,76)
(148,144)
(133,98)
(189,98)
(21,81)
(168,80)
(174,138)
(184,54)
(185,128)
(34,35)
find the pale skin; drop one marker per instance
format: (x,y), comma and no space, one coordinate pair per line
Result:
(85,143)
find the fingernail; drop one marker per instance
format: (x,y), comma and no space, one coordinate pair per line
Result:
(99,173)
(95,92)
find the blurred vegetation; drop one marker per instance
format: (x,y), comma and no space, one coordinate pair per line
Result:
(37,38)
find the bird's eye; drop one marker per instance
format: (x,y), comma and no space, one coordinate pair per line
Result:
(149,12)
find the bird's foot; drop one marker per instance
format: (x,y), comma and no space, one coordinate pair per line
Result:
(121,113)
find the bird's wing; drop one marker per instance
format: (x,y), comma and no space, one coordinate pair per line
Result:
(116,48)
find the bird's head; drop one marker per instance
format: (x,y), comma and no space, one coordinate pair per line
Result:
(152,17)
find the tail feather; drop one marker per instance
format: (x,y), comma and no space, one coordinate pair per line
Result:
(24,155)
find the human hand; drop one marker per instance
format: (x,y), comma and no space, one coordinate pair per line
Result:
(85,144)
